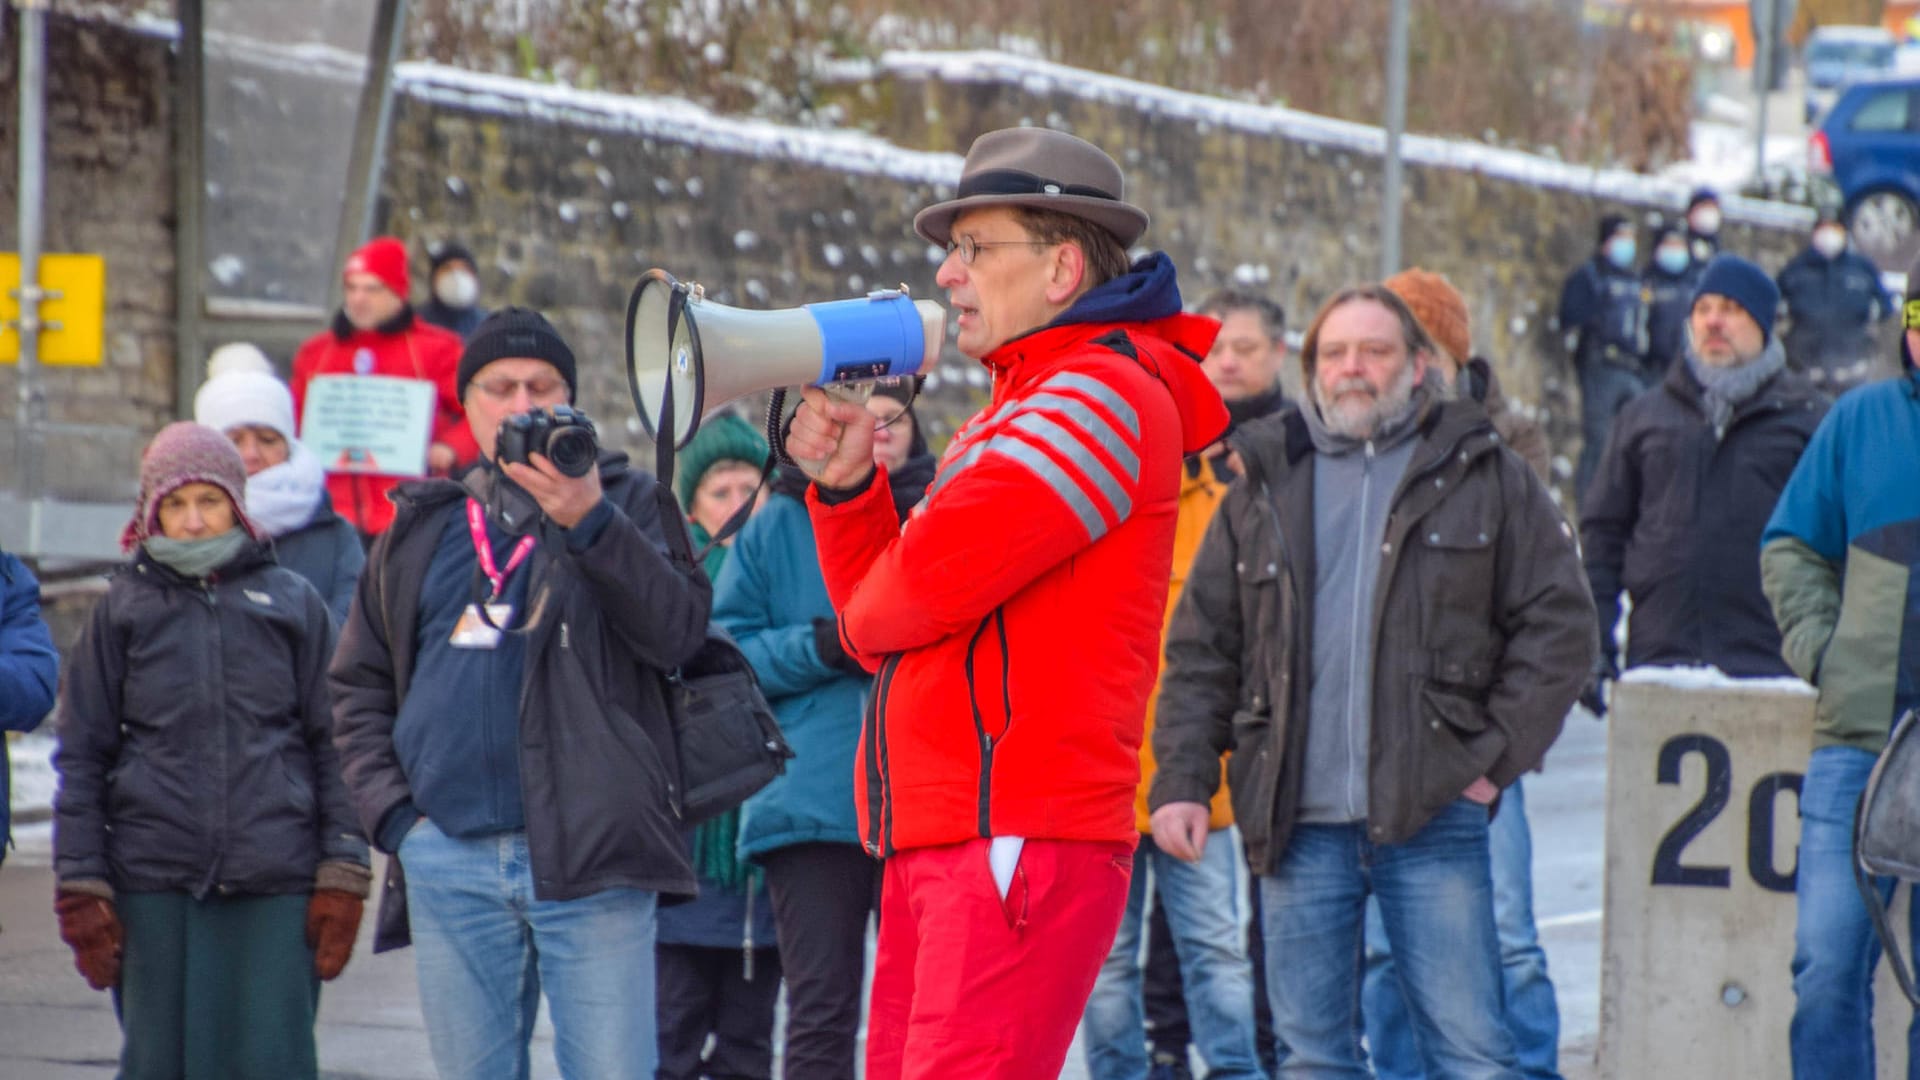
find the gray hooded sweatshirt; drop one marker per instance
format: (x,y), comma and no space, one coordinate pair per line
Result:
(1354,482)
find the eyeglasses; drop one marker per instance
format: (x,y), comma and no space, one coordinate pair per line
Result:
(502,389)
(968,247)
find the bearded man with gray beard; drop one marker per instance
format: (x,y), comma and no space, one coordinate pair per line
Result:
(1386,623)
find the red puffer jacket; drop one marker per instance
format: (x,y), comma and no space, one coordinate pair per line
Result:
(1015,619)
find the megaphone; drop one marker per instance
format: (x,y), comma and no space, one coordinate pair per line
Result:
(687,356)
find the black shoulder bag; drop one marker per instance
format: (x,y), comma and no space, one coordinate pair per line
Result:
(1886,835)
(724,734)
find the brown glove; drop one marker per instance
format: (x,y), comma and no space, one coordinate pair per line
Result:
(91,929)
(333,921)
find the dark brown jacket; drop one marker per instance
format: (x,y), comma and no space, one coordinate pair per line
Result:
(1484,633)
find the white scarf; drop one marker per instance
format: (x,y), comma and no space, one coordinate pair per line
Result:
(283,497)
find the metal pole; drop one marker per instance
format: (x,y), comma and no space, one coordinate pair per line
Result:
(1396,124)
(189,198)
(31,408)
(1762,80)
(369,153)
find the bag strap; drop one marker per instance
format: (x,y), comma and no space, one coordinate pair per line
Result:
(1869,891)
(663,452)
(1877,909)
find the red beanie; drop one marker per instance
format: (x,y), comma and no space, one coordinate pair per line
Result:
(385,258)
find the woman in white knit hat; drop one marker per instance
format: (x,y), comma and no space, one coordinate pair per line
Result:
(286,485)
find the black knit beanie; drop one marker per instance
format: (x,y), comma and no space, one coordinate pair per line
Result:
(515,333)
(442,254)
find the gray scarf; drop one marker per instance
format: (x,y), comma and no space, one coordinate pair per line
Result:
(197,558)
(1725,389)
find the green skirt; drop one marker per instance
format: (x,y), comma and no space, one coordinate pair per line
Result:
(216,989)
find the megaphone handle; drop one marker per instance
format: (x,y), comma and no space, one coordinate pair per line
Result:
(856,392)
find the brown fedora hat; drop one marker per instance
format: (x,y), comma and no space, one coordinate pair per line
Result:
(1044,169)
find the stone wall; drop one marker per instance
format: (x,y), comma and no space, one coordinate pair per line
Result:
(567,197)
(109,188)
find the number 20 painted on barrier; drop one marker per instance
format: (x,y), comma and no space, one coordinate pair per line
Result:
(1668,869)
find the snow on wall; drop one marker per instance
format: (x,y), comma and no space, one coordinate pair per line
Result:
(1712,678)
(1043,77)
(680,121)
(673,120)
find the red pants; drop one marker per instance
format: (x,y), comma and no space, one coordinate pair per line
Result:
(968,985)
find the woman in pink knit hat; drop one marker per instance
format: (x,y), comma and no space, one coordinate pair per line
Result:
(210,869)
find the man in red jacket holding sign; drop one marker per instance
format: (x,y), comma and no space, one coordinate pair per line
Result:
(375,332)
(1014,620)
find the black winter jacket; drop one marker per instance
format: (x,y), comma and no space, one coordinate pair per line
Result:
(1674,517)
(196,747)
(1831,308)
(597,766)
(327,552)
(1482,639)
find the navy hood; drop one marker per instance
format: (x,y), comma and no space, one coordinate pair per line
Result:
(1146,292)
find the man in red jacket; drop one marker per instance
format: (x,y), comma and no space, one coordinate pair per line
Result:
(375,332)
(1014,620)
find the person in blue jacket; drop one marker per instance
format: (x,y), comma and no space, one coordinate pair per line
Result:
(1834,300)
(29,670)
(800,828)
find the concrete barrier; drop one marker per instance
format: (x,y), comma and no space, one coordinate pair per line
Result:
(1703,781)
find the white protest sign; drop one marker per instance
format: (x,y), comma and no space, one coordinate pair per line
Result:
(370,424)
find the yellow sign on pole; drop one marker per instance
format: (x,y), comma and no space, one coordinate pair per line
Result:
(72,317)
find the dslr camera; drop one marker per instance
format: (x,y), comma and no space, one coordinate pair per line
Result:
(562,434)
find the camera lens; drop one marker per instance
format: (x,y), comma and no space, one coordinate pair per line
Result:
(572,450)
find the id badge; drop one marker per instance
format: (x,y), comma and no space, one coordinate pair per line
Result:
(472,632)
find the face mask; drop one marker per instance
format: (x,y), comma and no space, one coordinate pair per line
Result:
(1672,259)
(457,289)
(1706,220)
(1829,242)
(1620,251)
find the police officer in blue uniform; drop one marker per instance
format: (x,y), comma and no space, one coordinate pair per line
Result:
(1833,297)
(1668,281)
(1604,312)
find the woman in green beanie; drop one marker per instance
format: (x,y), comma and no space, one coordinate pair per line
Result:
(716,957)
(719,470)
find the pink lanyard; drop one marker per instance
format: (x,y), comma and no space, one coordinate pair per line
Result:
(483,547)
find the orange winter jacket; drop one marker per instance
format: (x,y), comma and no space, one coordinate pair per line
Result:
(1201,489)
(1014,621)
(406,347)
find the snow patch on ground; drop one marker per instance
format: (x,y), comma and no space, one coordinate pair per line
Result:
(1708,677)
(34,780)
(1723,159)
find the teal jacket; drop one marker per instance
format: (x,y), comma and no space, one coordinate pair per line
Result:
(1840,563)
(768,596)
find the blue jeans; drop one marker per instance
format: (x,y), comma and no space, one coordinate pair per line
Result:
(484,948)
(1834,946)
(1203,911)
(1533,1015)
(1436,904)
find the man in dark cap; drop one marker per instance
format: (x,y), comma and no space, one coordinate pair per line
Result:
(1604,314)
(1684,489)
(453,279)
(1703,224)
(511,758)
(1014,620)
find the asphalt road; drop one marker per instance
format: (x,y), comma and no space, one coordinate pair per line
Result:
(53,1028)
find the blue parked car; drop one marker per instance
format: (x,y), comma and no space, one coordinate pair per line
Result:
(1869,145)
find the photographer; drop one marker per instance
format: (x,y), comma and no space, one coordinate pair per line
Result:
(522,774)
